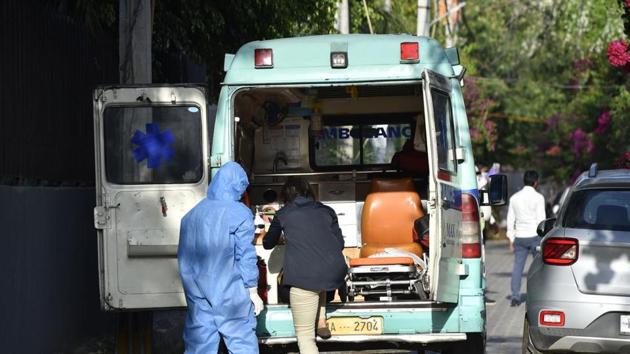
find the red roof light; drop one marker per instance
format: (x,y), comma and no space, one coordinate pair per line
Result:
(409,52)
(263,58)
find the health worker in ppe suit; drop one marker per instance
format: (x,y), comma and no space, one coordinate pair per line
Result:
(217,264)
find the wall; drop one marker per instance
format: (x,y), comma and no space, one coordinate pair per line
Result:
(48,270)
(49,65)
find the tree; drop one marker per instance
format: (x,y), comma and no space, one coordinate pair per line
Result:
(540,85)
(204,30)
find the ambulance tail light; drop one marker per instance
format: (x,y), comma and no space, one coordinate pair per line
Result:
(409,52)
(263,58)
(470,229)
(560,251)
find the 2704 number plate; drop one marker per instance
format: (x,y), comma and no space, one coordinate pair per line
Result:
(355,325)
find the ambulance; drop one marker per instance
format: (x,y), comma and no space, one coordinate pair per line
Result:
(375,123)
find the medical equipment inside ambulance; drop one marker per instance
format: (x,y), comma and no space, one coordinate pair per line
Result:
(343,140)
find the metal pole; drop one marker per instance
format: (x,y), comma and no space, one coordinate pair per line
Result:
(387,6)
(135,41)
(424,7)
(343,12)
(448,28)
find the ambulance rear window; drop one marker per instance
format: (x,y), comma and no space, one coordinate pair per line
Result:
(153,145)
(359,141)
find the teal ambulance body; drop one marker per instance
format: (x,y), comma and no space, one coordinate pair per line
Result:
(336,110)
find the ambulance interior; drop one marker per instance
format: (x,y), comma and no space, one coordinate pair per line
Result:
(342,140)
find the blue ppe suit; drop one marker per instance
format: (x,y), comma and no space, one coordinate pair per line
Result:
(217,264)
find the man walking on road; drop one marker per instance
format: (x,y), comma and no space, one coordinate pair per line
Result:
(526,211)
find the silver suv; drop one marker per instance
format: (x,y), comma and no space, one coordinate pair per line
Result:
(578,288)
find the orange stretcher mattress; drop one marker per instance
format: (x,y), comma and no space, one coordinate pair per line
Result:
(356,262)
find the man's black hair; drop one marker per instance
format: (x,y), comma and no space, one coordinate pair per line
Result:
(296,187)
(530,178)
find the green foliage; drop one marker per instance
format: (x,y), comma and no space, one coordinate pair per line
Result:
(400,19)
(551,82)
(96,15)
(205,30)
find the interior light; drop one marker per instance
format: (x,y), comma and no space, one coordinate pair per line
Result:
(339,60)
(409,52)
(263,58)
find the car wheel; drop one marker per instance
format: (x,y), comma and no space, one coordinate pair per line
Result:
(475,343)
(528,346)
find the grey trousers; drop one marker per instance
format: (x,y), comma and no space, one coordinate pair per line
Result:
(522,246)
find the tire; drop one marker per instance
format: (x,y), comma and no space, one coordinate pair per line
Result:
(527,346)
(474,344)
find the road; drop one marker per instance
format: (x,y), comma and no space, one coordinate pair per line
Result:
(504,323)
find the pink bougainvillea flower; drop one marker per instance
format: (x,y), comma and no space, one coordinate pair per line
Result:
(491,134)
(580,141)
(581,65)
(475,135)
(553,120)
(590,146)
(618,54)
(576,174)
(603,122)
(627,3)
(623,161)
(554,151)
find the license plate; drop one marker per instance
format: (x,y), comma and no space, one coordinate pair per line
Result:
(624,324)
(355,325)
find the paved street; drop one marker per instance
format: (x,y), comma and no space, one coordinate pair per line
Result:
(504,323)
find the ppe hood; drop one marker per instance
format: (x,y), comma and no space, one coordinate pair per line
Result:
(229,183)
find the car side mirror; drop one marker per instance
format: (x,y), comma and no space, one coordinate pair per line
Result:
(545,226)
(496,195)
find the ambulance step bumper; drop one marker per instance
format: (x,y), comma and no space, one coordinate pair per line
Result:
(406,338)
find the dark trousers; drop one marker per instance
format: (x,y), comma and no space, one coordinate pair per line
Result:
(522,246)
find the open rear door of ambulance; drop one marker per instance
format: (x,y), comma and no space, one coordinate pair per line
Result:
(151,169)
(444,199)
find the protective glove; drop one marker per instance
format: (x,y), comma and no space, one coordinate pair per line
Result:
(256,300)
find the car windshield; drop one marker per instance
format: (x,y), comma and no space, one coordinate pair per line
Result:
(598,209)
